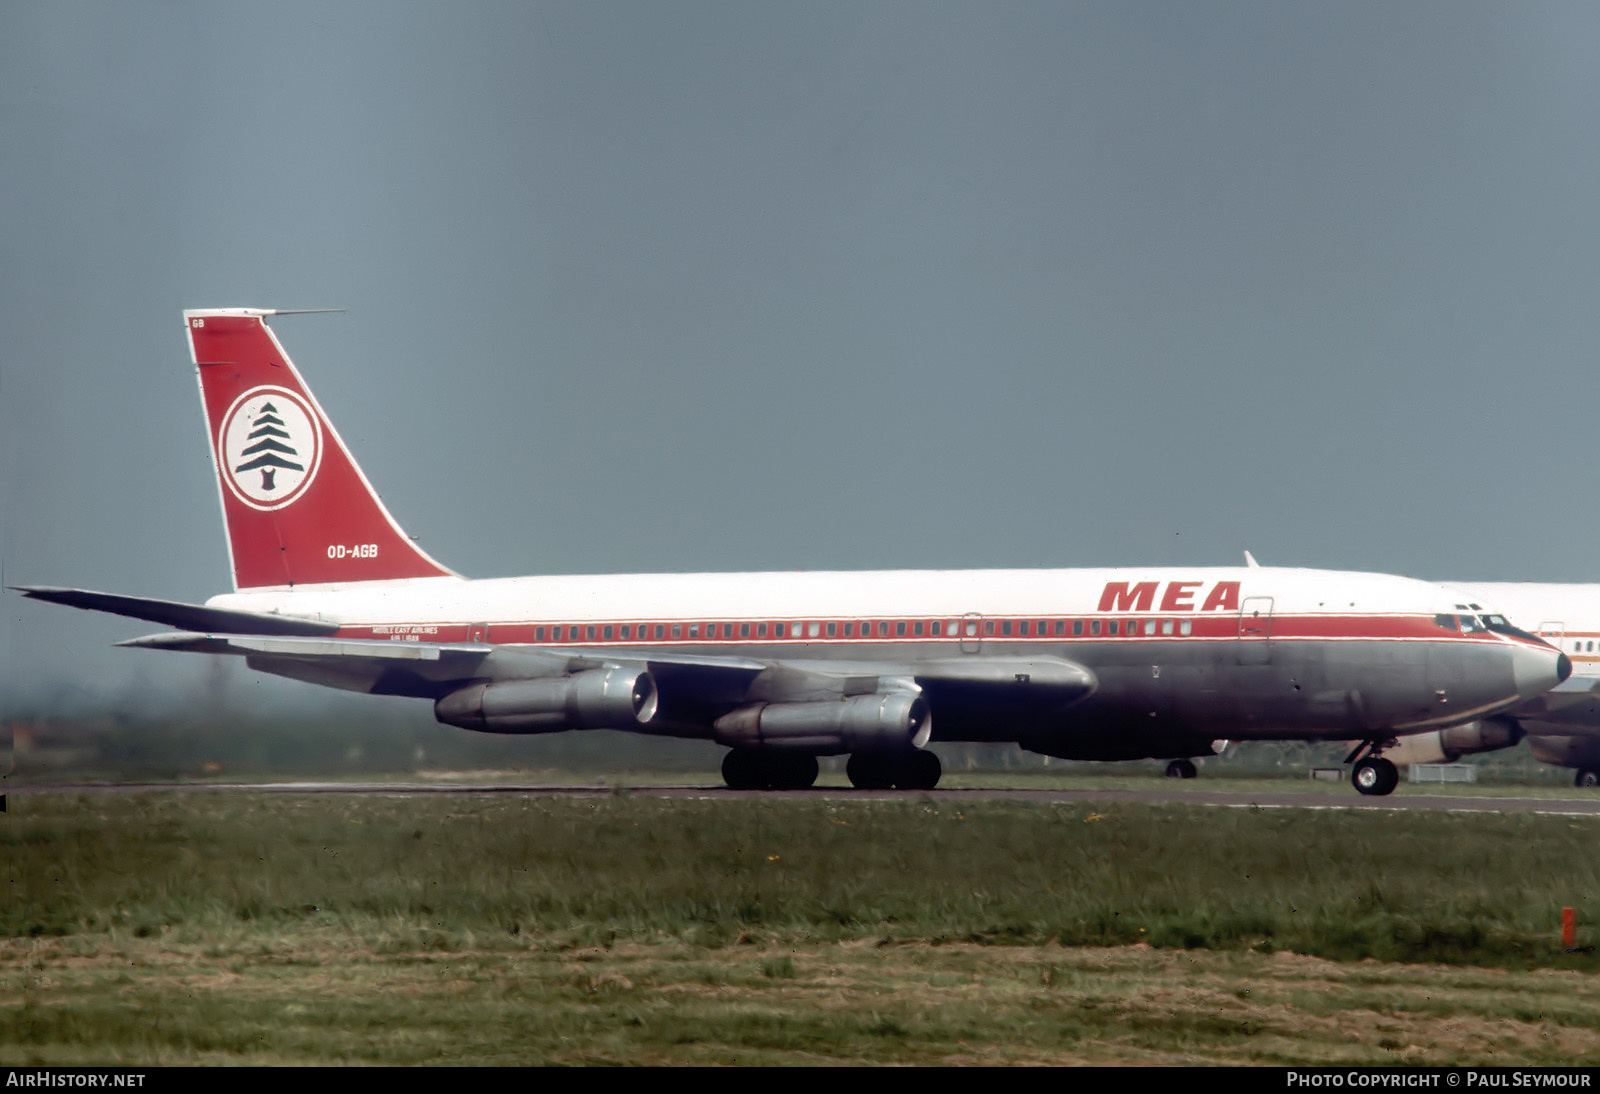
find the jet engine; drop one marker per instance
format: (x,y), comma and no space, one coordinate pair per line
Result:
(605,698)
(1449,745)
(879,722)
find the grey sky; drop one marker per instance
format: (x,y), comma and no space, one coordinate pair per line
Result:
(700,286)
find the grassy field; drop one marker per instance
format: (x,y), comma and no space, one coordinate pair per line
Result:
(173,928)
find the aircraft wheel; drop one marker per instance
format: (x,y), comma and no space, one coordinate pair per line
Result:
(1588,777)
(745,769)
(1181,769)
(1376,776)
(919,771)
(870,771)
(793,772)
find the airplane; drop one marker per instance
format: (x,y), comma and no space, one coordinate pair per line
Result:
(1562,726)
(781,668)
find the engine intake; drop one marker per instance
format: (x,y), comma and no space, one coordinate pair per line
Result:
(605,698)
(892,720)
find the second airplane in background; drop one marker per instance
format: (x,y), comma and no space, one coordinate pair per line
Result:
(784,667)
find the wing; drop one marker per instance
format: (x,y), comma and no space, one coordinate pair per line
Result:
(533,689)
(1571,707)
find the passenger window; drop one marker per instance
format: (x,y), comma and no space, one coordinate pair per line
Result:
(1186,627)
(916,628)
(1077,627)
(1166,626)
(761,630)
(1112,627)
(1094,626)
(1005,629)
(608,634)
(1022,628)
(677,630)
(900,629)
(661,630)
(883,628)
(1149,626)
(744,630)
(833,629)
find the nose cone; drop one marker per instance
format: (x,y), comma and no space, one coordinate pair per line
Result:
(1538,668)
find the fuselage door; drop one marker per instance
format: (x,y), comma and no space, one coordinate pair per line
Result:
(477,632)
(1255,630)
(971,632)
(1553,631)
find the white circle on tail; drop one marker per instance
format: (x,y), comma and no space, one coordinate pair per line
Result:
(269,447)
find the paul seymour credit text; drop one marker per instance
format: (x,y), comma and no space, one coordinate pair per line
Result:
(1466,1078)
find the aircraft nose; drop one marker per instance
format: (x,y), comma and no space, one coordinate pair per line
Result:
(1537,669)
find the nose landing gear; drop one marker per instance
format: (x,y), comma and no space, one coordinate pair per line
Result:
(1373,775)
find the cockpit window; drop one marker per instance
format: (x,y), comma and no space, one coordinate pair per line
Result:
(1448,622)
(1470,624)
(1499,624)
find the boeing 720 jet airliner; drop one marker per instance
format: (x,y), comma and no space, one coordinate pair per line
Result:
(784,667)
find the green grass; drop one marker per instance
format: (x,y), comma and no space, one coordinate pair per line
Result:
(185,927)
(1461,887)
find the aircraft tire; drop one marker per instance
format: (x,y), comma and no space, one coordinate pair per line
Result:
(870,771)
(797,771)
(919,771)
(1587,778)
(1181,769)
(745,769)
(1375,776)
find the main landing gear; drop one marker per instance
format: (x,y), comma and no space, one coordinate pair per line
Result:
(770,769)
(918,769)
(765,769)
(1373,775)
(1181,769)
(1587,778)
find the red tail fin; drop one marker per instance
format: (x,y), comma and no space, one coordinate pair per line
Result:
(298,509)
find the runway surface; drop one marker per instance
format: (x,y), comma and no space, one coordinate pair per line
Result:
(1576,806)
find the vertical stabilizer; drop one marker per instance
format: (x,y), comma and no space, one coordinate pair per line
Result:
(298,509)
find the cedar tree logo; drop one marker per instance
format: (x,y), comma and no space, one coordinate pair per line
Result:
(269,447)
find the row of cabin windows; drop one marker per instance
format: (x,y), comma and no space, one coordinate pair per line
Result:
(866,628)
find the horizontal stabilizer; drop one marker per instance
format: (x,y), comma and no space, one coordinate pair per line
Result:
(173,613)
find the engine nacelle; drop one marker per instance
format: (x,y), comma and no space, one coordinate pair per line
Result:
(605,698)
(1449,745)
(879,722)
